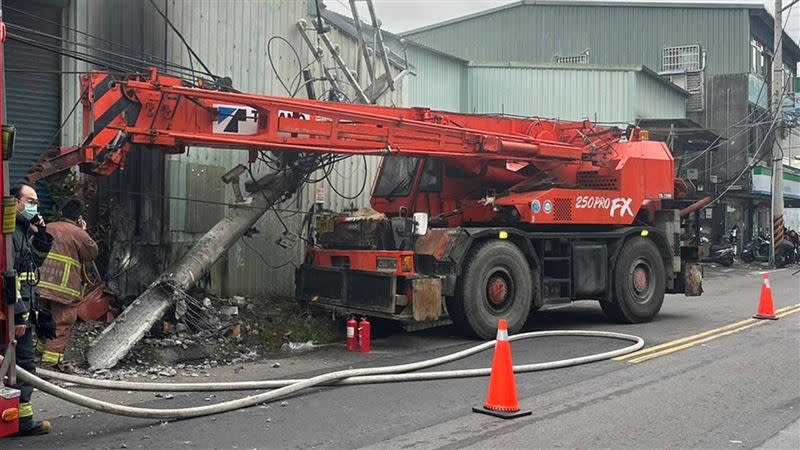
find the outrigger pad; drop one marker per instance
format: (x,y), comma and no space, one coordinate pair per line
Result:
(501,414)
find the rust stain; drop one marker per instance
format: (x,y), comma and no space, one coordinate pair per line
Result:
(434,243)
(426,298)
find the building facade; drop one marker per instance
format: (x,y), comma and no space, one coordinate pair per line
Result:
(720,53)
(150,213)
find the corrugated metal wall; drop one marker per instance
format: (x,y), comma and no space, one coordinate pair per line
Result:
(231,38)
(654,99)
(440,81)
(615,34)
(32,81)
(571,93)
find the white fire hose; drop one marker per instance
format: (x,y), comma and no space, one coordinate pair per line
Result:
(283,388)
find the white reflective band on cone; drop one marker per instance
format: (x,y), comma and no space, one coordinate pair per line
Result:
(502,335)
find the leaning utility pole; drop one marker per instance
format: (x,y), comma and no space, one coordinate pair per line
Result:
(777,154)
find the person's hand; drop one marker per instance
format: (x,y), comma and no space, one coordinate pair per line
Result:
(19,330)
(38,223)
(45,325)
(82,223)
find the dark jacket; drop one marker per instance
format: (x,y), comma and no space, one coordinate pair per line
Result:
(30,251)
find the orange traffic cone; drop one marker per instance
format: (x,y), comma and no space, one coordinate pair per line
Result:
(766,310)
(502,399)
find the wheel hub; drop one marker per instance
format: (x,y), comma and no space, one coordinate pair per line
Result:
(640,280)
(497,290)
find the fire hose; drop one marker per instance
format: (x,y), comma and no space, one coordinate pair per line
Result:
(283,388)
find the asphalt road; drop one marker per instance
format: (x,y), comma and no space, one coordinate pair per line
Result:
(741,390)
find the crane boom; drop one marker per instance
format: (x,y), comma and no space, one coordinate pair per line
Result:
(163,112)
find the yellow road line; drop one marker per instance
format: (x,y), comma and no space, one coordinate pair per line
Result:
(708,338)
(690,341)
(786,313)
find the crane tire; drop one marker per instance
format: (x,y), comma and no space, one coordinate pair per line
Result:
(495,283)
(639,283)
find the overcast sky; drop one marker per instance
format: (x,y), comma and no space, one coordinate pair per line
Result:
(404,15)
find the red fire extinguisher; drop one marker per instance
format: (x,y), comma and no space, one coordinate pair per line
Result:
(364,335)
(352,339)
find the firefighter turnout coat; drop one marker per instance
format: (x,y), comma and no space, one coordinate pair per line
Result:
(60,275)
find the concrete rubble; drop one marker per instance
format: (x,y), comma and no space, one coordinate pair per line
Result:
(169,290)
(206,336)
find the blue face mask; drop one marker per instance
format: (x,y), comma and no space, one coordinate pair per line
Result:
(30,211)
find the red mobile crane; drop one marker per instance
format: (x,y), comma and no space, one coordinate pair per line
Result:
(482,217)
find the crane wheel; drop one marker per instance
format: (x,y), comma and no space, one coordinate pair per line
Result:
(639,283)
(495,284)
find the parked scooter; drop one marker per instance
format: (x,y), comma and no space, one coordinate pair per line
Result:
(733,238)
(722,254)
(758,250)
(794,237)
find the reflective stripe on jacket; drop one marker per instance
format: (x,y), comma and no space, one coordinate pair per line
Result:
(60,275)
(30,250)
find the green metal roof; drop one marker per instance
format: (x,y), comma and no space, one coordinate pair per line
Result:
(607,94)
(632,4)
(591,67)
(615,32)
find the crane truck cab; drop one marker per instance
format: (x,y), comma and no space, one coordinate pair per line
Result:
(475,266)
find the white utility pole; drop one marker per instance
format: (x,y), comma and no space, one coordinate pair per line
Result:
(777,154)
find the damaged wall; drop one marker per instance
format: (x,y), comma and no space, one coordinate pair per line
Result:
(129,206)
(158,206)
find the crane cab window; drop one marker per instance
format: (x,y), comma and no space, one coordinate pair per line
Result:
(398,173)
(432,177)
(396,177)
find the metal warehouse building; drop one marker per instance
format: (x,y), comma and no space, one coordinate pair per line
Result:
(159,205)
(720,53)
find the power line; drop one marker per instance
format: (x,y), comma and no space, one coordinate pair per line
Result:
(91,36)
(180,36)
(749,166)
(87,58)
(138,63)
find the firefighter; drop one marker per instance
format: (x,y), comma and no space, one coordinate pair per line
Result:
(31,245)
(60,287)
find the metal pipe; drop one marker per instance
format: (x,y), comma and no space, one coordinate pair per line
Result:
(362,97)
(362,46)
(380,45)
(696,206)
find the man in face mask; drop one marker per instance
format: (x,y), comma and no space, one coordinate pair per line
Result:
(32,243)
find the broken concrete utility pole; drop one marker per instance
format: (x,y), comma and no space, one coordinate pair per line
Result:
(118,338)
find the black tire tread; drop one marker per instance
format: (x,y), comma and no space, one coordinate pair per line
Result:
(463,317)
(618,310)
